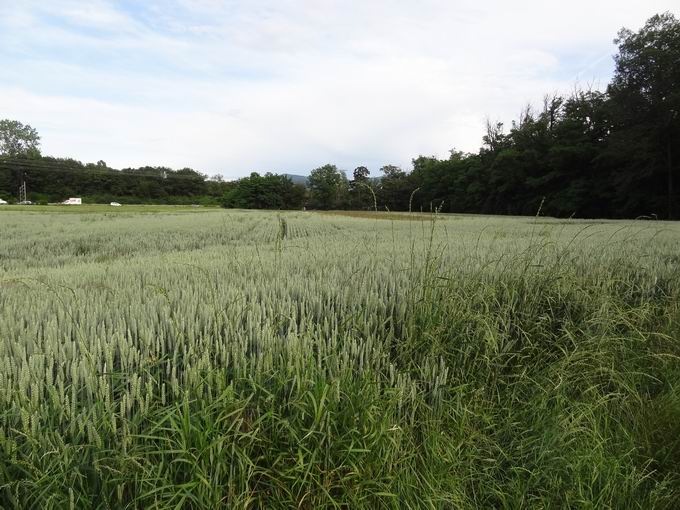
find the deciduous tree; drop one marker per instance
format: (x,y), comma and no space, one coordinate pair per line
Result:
(17,139)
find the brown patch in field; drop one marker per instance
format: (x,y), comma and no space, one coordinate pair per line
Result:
(381,215)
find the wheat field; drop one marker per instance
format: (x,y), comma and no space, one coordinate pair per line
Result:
(244,359)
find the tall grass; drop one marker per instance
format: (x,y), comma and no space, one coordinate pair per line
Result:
(251,360)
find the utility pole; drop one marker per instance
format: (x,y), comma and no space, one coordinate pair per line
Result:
(22,190)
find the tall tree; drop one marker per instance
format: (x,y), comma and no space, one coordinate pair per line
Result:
(17,139)
(328,188)
(266,191)
(361,174)
(395,188)
(361,196)
(645,101)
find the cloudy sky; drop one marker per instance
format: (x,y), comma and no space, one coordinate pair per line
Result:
(232,87)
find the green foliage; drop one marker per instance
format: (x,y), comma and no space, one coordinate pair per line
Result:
(265,192)
(395,188)
(361,195)
(645,110)
(328,188)
(51,179)
(17,139)
(591,154)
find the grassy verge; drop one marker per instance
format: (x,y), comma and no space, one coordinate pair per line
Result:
(101,208)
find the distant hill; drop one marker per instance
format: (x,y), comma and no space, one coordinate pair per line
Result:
(303,179)
(297,179)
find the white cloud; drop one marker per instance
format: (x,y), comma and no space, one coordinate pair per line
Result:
(287,85)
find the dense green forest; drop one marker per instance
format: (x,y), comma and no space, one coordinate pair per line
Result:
(55,179)
(590,153)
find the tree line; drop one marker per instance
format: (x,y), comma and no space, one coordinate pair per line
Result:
(590,153)
(51,179)
(612,153)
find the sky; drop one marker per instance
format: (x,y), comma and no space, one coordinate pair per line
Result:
(230,87)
